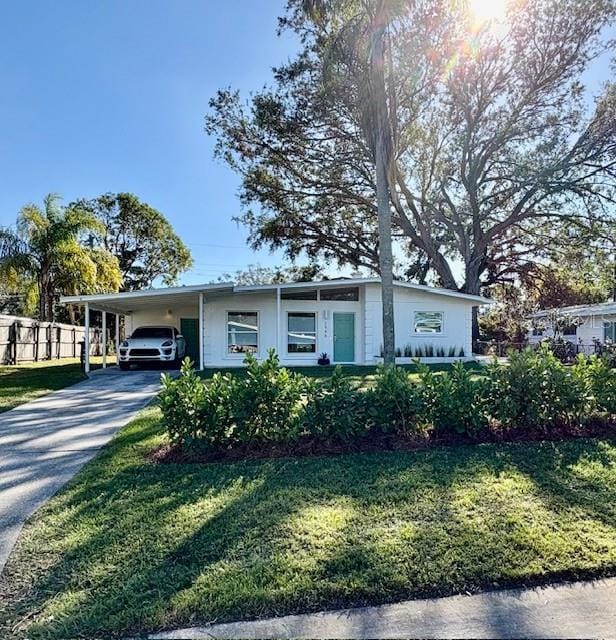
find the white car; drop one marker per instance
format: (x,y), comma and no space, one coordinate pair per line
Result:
(152,344)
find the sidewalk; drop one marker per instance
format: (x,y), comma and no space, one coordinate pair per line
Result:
(576,610)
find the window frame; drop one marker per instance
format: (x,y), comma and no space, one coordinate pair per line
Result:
(228,354)
(428,333)
(299,354)
(609,326)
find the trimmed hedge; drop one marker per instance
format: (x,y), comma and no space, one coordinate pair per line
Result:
(533,393)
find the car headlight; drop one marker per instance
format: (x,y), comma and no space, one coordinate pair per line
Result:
(124,344)
(167,343)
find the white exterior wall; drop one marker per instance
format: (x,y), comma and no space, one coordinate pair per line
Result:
(593,328)
(457,314)
(215,327)
(457,320)
(590,329)
(160,316)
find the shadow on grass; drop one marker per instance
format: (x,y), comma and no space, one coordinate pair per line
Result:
(131,546)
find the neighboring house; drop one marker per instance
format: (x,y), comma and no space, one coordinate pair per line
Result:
(301,320)
(582,324)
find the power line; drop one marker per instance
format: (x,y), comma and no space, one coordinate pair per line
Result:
(219,246)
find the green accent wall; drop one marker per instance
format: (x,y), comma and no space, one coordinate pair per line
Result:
(189,328)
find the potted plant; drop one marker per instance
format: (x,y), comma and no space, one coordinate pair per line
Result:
(323,359)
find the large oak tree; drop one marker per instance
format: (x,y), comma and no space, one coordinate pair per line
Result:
(496,143)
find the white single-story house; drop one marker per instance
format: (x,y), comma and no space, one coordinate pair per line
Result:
(582,324)
(301,320)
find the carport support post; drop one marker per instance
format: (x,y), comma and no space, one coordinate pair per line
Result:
(86,338)
(201,330)
(117,338)
(104,339)
(278,319)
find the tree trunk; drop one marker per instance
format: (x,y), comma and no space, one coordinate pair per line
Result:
(472,285)
(382,156)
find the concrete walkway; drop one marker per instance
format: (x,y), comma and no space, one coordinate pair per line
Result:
(43,443)
(577,610)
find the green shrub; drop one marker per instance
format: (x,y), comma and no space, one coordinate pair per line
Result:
(180,402)
(392,404)
(268,402)
(452,401)
(535,391)
(598,379)
(334,408)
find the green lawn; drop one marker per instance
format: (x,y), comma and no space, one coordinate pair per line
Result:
(26,382)
(132,546)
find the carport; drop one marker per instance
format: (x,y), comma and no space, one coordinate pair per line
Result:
(169,306)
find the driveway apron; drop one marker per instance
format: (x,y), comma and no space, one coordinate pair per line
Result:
(43,443)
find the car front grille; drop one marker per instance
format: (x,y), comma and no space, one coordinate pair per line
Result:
(144,352)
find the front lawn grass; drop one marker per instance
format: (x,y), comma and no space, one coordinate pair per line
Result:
(132,546)
(25,382)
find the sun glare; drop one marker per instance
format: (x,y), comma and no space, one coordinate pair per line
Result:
(492,12)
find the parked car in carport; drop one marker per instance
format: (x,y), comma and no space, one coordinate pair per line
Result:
(152,344)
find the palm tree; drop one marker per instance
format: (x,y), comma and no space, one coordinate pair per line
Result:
(374,17)
(46,248)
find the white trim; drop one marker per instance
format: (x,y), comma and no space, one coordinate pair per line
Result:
(146,293)
(238,356)
(301,355)
(598,310)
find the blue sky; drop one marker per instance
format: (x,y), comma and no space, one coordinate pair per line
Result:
(110,95)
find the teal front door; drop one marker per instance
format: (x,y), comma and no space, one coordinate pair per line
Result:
(189,328)
(344,337)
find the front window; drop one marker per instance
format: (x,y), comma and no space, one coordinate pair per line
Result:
(350,294)
(299,294)
(609,332)
(302,333)
(153,332)
(242,332)
(428,322)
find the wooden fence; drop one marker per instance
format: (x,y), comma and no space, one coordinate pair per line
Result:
(28,340)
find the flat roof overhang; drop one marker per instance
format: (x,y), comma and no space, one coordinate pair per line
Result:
(129,301)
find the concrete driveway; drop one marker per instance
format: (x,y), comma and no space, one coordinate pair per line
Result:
(43,443)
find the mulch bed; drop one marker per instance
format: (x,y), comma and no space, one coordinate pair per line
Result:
(601,426)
